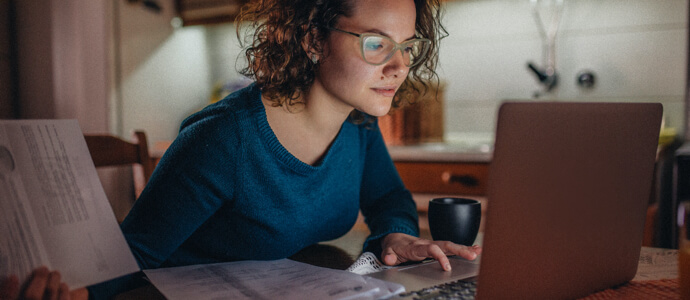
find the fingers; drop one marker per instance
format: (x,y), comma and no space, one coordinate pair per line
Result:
(465,252)
(436,253)
(399,248)
(63,292)
(9,288)
(78,294)
(415,252)
(42,284)
(441,250)
(53,286)
(438,250)
(37,284)
(477,249)
(390,259)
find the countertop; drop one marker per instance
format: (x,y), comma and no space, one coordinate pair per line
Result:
(425,152)
(442,152)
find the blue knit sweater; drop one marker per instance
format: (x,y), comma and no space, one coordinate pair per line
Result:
(227,190)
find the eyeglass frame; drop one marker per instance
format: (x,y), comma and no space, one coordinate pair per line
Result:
(398,46)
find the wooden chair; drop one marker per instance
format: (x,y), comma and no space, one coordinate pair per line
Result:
(109,150)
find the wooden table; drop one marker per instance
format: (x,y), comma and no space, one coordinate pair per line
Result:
(658,279)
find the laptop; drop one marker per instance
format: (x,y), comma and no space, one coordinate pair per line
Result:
(569,184)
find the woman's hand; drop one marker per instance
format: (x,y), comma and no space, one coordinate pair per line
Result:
(42,284)
(399,248)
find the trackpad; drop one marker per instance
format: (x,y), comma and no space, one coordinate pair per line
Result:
(423,275)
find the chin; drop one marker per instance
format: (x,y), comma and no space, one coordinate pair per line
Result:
(379,111)
(380,114)
(378,107)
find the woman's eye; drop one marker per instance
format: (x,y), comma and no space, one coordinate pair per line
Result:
(374,43)
(373,46)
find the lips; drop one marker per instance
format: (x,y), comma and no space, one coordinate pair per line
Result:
(385,91)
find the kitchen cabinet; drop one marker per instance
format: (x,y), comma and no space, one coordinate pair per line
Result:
(428,179)
(197,12)
(452,178)
(439,168)
(442,170)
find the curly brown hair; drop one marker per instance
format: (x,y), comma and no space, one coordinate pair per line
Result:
(281,67)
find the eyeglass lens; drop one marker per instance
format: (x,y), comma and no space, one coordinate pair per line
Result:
(379,49)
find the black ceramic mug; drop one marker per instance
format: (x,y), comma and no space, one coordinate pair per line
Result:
(454,219)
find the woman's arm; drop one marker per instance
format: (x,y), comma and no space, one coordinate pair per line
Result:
(391,214)
(386,204)
(192,180)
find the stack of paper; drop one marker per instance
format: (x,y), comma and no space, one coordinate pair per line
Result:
(53,210)
(278,279)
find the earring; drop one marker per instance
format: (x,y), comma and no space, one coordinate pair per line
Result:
(314,59)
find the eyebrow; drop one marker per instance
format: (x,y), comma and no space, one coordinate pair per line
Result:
(414,36)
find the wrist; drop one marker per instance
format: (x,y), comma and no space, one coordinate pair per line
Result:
(391,238)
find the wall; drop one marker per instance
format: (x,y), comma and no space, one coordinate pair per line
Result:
(34,57)
(7,86)
(64,71)
(636,48)
(116,66)
(176,76)
(164,71)
(226,54)
(62,58)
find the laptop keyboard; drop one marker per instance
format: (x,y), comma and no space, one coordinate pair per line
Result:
(461,290)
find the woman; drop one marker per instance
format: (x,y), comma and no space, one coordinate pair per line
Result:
(290,160)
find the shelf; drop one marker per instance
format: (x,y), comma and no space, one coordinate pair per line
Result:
(200,12)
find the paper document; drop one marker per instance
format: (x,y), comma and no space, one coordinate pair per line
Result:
(657,263)
(53,210)
(277,279)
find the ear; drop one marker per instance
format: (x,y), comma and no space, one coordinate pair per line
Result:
(309,44)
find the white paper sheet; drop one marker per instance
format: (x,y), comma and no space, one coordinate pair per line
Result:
(53,210)
(657,263)
(278,279)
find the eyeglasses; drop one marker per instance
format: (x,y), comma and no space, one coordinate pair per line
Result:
(377,49)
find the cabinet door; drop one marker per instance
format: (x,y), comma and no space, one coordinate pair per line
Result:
(444,178)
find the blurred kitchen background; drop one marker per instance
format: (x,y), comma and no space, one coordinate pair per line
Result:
(121,65)
(147,71)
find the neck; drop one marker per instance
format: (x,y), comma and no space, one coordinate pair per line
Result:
(307,130)
(323,110)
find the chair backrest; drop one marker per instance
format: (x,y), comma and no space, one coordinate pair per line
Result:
(109,150)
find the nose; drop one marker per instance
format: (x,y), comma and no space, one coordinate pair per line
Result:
(396,66)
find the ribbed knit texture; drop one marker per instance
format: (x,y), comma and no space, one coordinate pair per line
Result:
(227,190)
